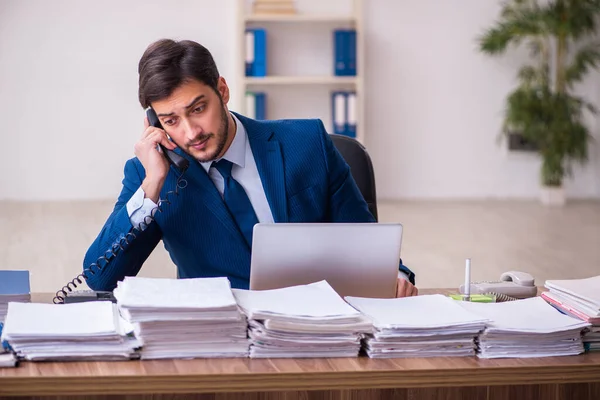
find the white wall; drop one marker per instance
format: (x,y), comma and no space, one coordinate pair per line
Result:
(68,86)
(435,105)
(70,115)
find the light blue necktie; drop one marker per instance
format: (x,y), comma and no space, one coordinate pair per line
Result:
(237,201)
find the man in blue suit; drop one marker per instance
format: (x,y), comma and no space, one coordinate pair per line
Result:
(241,172)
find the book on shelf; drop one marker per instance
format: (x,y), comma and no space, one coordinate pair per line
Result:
(344,52)
(256,52)
(344,116)
(256,105)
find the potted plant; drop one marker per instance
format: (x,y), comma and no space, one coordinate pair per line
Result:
(543,107)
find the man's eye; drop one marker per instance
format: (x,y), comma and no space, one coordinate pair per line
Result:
(199,109)
(169,122)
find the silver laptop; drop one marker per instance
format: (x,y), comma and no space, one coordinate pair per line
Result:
(356,259)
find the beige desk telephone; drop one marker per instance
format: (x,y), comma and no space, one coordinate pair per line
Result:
(512,284)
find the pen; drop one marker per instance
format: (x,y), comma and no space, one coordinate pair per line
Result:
(468,280)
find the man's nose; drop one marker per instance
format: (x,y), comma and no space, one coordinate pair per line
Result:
(191,130)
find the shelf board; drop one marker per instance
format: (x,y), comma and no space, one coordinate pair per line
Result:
(300,80)
(299,18)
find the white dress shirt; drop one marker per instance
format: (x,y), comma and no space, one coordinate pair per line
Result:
(244,171)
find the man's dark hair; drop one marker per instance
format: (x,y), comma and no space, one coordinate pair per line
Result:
(166,64)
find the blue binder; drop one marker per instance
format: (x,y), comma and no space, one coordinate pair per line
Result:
(261,105)
(260,52)
(344,52)
(351,115)
(256,52)
(4,347)
(338,112)
(340,38)
(256,105)
(351,49)
(249,60)
(14,282)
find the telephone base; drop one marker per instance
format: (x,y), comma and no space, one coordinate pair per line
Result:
(80,296)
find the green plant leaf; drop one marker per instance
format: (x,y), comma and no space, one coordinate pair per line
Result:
(574,18)
(511,30)
(586,59)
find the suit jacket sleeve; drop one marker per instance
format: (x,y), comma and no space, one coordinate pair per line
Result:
(116,240)
(346,203)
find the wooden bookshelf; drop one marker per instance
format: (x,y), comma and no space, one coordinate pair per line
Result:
(354,83)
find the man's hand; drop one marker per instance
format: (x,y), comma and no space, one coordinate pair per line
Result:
(155,163)
(405,289)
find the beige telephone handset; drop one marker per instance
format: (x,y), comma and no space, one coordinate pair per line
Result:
(513,284)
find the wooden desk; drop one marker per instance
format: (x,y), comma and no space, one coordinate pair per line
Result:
(575,377)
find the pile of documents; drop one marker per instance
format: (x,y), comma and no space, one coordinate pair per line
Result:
(591,339)
(183,318)
(526,328)
(7,359)
(302,321)
(14,286)
(422,326)
(579,298)
(80,331)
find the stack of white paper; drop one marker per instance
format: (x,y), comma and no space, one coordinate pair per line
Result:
(591,339)
(579,298)
(80,331)
(184,318)
(302,321)
(421,326)
(526,328)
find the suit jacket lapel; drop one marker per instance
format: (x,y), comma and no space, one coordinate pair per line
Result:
(269,162)
(209,194)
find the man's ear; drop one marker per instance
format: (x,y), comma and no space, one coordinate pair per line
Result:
(223,90)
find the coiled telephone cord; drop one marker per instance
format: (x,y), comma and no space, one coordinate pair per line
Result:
(110,254)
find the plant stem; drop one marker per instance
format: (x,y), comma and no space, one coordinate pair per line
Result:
(561,59)
(552,163)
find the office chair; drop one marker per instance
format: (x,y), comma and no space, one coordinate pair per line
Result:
(361,167)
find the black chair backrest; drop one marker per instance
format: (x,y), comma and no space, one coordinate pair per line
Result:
(361,168)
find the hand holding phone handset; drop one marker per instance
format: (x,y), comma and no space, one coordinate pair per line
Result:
(174,159)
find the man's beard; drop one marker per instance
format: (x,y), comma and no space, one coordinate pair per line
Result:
(221,137)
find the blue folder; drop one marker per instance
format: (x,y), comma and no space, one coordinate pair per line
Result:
(339,117)
(344,52)
(340,38)
(260,99)
(351,49)
(351,114)
(256,52)
(256,105)
(14,282)
(4,347)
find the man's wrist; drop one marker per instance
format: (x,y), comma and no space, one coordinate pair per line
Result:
(152,187)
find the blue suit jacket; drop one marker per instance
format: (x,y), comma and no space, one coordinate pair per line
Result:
(305,180)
